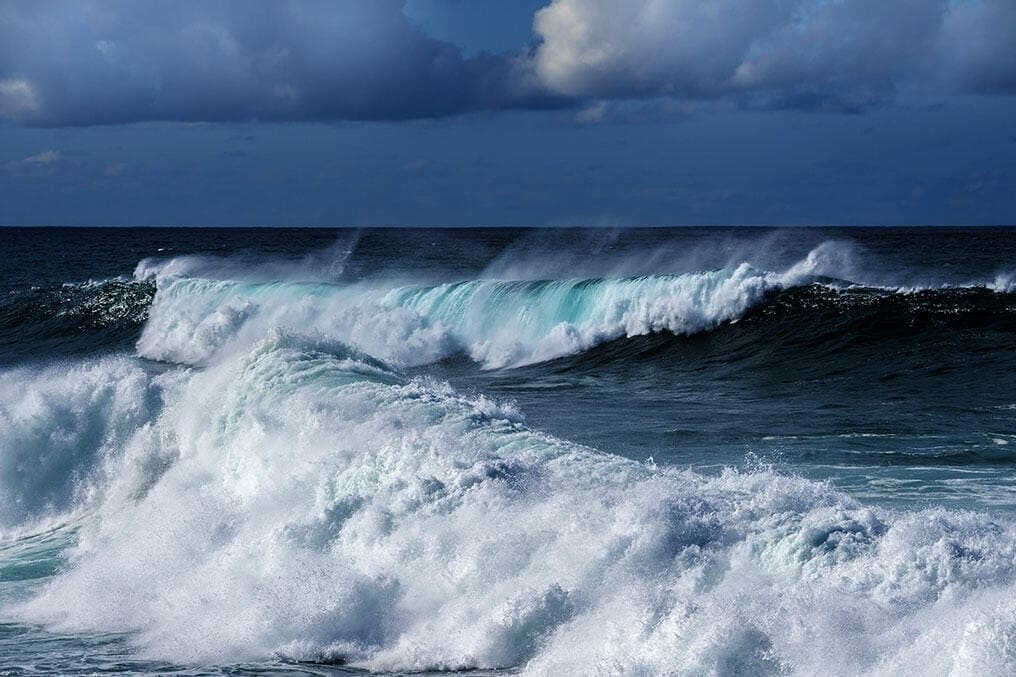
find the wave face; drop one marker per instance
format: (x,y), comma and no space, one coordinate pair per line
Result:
(497,323)
(252,466)
(513,323)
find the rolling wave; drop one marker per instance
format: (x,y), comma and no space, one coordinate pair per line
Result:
(503,324)
(833,328)
(174,317)
(498,324)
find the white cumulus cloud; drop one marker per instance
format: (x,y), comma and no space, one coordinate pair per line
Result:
(47,157)
(803,53)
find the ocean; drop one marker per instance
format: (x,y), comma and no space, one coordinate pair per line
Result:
(688,451)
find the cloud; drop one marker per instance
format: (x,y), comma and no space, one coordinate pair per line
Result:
(842,54)
(79,62)
(47,157)
(17,99)
(83,62)
(979,44)
(42,164)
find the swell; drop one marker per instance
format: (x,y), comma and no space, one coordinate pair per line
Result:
(72,319)
(497,323)
(823,329)
(811,375)
(504,323)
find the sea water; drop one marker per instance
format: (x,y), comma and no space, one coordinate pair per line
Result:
(551,452)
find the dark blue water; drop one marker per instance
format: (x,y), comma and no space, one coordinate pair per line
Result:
(309,450)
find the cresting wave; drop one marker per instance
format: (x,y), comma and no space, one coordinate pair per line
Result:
(497,323)
(300,499)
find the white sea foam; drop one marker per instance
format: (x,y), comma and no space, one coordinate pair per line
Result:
(298,498)
(58,426)
(1004,283)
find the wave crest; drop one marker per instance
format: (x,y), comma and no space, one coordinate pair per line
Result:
(497,323)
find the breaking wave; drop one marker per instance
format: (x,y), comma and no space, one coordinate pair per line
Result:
(496,323)
(303,500)
(512,323)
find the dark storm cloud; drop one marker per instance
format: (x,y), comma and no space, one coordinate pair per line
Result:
(81,62)
(93,62)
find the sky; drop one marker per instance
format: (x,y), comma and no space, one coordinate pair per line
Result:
(490,112)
